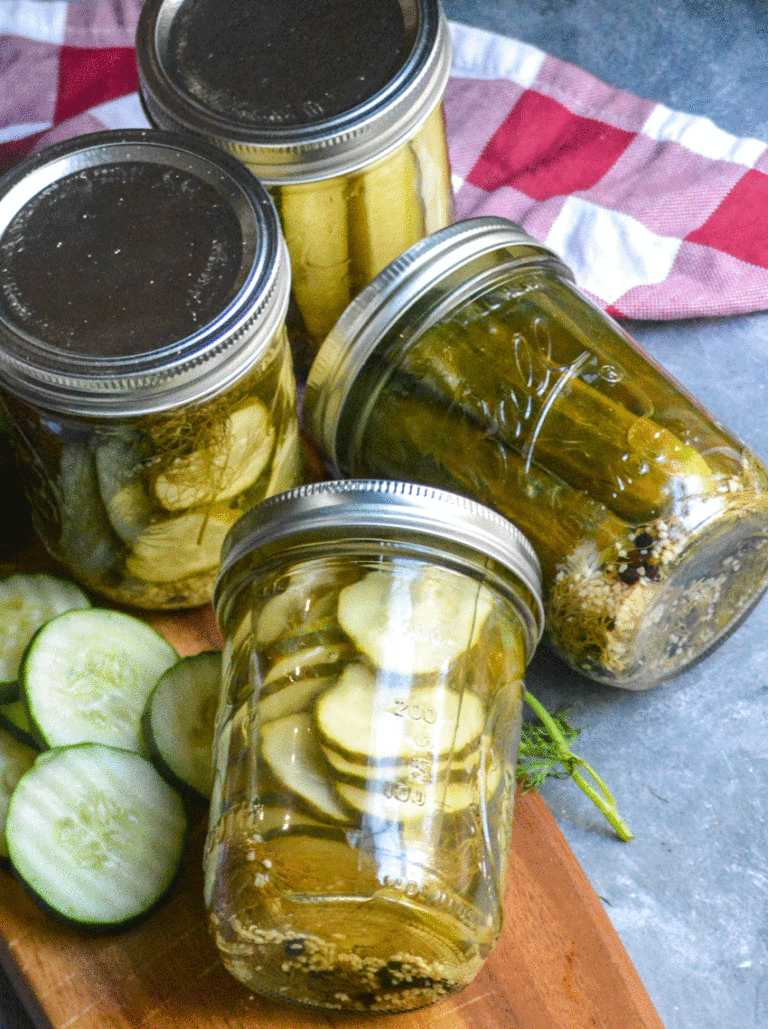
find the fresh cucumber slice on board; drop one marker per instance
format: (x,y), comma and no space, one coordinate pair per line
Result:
(14,718)
(414,621)
(95,834)
(87,674)
(16,758)
(178,722)
(26,603)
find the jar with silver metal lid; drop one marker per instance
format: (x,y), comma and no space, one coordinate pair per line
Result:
(337,108)
(144,362)
(377,635)
(474,363)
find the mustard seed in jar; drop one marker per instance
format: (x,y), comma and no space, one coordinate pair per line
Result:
(144,362)
(336,108)
(474,363)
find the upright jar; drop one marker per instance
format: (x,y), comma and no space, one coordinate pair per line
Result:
(144,362)
(336,107)
(475,364)
(376,640)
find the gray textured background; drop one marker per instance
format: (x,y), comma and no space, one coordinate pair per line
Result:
(688,761)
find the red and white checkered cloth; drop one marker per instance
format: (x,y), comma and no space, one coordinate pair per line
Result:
(659,214)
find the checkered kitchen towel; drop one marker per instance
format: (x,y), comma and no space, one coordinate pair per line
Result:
(658,213)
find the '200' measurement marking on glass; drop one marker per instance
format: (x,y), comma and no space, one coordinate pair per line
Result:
(412,791)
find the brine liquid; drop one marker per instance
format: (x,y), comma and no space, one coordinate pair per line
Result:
(365,774)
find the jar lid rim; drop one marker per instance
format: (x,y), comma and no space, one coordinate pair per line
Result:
(235,332)
(360,508)
(389,296)
(338,145)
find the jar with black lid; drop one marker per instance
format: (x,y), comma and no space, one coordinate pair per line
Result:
(376,640)
(144,361)
(474,363)
(337,108)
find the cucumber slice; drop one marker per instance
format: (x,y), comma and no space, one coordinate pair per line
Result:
(286,464)
(293,697)
(87,674)
(182,546)
(290,749)
(87,540)
(15,759)
(14,718)
(364,722)
(26,603)
(414,621)
(96,834)
(303,663)
(358,772)
(224,469)
(178,722)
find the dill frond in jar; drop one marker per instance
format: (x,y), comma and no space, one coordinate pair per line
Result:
(145,426)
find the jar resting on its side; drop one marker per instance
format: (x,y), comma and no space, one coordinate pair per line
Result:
(336,108)
(475,364)
(377,635)
(144,362)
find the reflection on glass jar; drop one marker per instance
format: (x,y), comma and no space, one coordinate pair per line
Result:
(476,365)
(144,362)
(376,640)
(336,108)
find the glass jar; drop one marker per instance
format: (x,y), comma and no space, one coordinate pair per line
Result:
(144,362)
(475,364)
(365,753)
(337,108)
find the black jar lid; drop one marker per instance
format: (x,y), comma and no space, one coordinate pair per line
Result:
(139,270)
(311,517)
(434,276)
(297,89)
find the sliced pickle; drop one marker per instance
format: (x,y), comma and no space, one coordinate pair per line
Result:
(414,621)
(426,767)
(129,507)
(314,219)
(173,550)
(431,151)
(309,662)
(225,468)
(293,698)
(290,749)
(405,801)
(423,721)
(286,463)
(304,602)
(386,214)
(87,541)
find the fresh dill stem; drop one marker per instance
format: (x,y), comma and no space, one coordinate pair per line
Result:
(543,749)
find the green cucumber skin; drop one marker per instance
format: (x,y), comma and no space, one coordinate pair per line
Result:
(103,927)
(191,796)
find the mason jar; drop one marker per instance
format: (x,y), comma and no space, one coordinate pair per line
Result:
(474,363)
(337,108)
(144,362)
(366,740)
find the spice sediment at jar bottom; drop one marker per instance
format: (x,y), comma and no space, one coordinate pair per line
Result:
(366,743)
(493,376)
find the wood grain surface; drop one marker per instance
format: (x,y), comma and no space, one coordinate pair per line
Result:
(558,964)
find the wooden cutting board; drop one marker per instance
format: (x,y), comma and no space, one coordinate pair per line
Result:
(558,964)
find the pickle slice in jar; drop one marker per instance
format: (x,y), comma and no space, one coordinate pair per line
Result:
(427,767)
(225,468)
(314,220)
(87,541)
(129,506)
(293,698)
(306,603)
(290,749)
(413,621)
(172,550)
(302,664)
(431,152)
(286,463)
(365,722)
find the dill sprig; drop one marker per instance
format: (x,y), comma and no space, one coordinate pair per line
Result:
(545,752)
